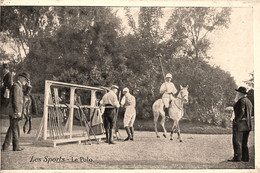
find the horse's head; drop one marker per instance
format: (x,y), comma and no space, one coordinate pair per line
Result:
(184,94)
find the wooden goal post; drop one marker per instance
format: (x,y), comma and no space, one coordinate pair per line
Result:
(42,136)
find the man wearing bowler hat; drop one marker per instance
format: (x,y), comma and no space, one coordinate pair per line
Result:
(15,113)
(241,125)
(111,103)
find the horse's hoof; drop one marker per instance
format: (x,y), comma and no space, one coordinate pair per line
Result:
(180,140)
(171,139)
(158,136)
(23,130)
(28,132)
(164,135)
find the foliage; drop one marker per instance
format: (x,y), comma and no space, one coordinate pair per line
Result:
(85,45)
(250,82)
(190,27)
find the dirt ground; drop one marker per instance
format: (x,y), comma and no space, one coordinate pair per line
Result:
(197,151)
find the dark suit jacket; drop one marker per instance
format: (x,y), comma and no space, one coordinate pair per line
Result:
(7,80)
(243,112)
(16,100)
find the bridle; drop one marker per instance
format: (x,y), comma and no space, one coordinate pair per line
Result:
(182,98)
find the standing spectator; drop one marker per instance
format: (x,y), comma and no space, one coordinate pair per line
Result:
(241,125)
(128,101)
(16,113)
(111,104)
(5,89)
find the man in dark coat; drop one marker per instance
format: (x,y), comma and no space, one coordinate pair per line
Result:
(15,113)
(241,125)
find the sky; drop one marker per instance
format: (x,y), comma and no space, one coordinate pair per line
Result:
(232,48)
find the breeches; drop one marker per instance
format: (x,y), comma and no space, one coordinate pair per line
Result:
(129,117)
(166,98)
(109,118)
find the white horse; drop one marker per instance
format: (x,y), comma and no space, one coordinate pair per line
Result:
(175,112)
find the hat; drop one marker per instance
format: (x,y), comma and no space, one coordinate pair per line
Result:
(126,90)
(169,75)
(5,65)
(241,90)
(114,86)
(25,75)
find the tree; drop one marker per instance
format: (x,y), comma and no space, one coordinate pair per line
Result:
(148,40)
(142,50)
(191,25)
(85,42)
(250,82)
(23,24)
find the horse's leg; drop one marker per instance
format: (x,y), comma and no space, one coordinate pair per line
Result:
(179,132)
(30,124)
(25,123)
(156,116)
(162,124)
(173,128)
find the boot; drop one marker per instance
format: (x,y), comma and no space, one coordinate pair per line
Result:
(166,110)
(106,141)
(128,133)
(110,139)
(132,133)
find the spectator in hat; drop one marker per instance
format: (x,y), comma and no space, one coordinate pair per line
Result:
(15,113)
(5,89)
(128,101)
(241,125)
(111,104)
(167,90)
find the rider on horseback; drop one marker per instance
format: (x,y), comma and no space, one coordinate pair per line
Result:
(168,91)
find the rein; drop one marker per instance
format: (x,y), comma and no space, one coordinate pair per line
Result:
(181,99)
(177,105)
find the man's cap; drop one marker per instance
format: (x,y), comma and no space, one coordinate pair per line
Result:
(114,86)
(169,75)
(25,75)
(126,90)
(242,90)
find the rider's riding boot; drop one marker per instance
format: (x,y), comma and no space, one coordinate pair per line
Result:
(24,129)
(106,141)
(132,133)
(166,110)
(128,133)
(110,139)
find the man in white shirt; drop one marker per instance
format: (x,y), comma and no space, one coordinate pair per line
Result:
(128,101)
(111,103)
(167,90)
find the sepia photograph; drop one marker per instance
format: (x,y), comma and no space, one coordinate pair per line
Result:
(128,86)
